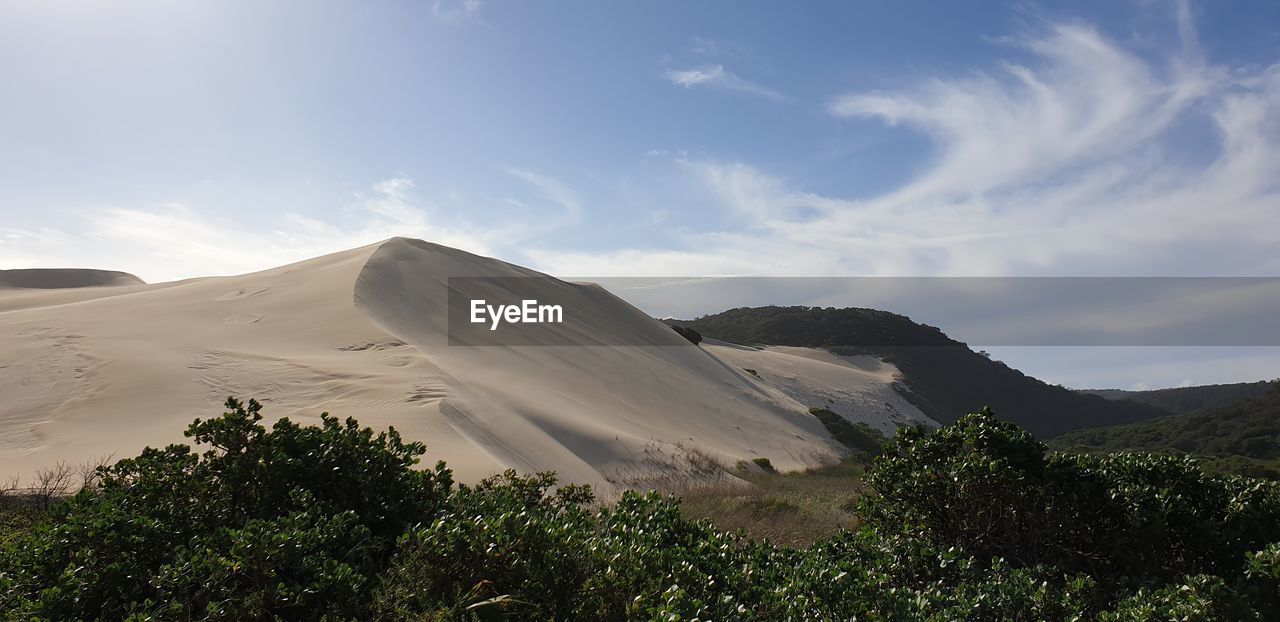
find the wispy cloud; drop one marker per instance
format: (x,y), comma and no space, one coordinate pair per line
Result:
(1088,101)
(716,48)
(177,241)
(553,190)
(1074,160)
(456,10)
(717,77)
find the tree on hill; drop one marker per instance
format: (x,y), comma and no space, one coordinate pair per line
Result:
(1181,400)
(1242,437)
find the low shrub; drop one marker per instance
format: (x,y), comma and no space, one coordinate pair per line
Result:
(764,464)
(858,437)
(692,335)
(295,523)
(988,487)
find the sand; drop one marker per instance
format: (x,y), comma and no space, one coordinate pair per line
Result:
(859,388)
(96,371)
(64,278)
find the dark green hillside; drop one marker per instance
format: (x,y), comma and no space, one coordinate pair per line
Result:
(1247,433)
(943,377)
(1189,399)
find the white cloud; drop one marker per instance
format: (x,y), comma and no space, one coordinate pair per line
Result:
(717,77)
(456,10)
(716,48)
(555,191)
(658,216)
(1088,100)
(391,201)
(176,241)
(1083,158)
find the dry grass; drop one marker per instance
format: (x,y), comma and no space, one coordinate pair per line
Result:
(670,467)
(792,509)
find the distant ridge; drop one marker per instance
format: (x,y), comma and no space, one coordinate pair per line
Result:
(1245,435)
(65,278)
(1180,400)
(941,376)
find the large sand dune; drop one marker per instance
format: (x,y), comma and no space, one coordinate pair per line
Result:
(94,371)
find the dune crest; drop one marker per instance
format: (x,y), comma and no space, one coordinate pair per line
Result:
(363,333)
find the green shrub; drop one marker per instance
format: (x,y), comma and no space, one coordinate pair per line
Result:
(508,536)
(294,522)
(764,464)
(1200,598)
(989,488)
(973,521)
(1262,569)
(858,437)
(18,516)
(692,335)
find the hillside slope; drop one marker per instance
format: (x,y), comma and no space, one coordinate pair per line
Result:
(1180,400)
(941,376)
(1249,429)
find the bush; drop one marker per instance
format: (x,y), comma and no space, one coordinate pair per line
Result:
(508,536)
(973,521)
(692,335)
(295,522)
(989,488)
(858,437)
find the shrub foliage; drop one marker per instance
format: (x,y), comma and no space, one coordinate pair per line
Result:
(692,335)
(858,437)
(975,521)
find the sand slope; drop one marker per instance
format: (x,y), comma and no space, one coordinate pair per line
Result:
(851,386)
(362,333)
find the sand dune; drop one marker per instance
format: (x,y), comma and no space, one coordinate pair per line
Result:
(109,370)
(851,386)
(62,278)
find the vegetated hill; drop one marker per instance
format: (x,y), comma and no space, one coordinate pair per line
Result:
(1189,399)
(1248,430)
(942,376)
(64,278)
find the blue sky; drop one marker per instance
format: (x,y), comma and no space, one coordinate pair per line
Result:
(176,139)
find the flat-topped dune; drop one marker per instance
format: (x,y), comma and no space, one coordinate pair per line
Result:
(64,278)
(363,333)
